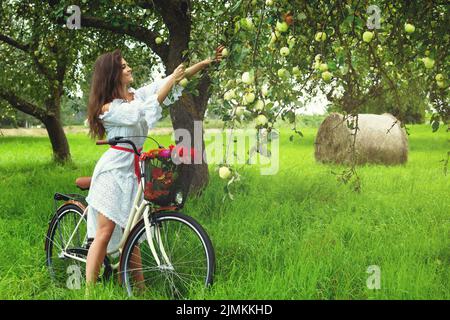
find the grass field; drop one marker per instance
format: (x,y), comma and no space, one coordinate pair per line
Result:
(299,234)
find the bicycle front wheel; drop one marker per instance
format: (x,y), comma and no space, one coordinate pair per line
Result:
(177,261)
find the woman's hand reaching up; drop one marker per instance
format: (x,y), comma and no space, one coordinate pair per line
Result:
(179,73)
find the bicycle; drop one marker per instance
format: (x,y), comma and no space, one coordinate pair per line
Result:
(177,255)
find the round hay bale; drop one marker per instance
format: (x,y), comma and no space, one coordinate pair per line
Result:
(380,139)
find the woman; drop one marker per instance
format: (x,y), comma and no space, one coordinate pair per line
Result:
(116,109)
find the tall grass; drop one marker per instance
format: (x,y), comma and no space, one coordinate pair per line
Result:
(299,234)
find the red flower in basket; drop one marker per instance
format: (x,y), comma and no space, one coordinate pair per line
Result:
(157,174)
(165,153)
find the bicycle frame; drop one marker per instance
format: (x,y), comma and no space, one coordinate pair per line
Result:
(140,208)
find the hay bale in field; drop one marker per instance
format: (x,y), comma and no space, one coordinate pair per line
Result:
(380,139)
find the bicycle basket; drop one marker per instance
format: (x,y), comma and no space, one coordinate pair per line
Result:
(165,181)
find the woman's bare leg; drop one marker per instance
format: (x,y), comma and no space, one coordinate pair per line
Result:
(97,250)
(136,267)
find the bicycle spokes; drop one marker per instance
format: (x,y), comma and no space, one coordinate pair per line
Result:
(171,260)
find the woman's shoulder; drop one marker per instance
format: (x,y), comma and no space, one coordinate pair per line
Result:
(108,108)
(105,107)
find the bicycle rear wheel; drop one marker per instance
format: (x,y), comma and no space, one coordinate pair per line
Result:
(185,253)
(66,248)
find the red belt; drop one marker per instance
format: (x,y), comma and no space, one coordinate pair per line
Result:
(136,160)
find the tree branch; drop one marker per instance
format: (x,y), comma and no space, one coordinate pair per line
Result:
(23,105)
(27,48)
(14,43)
(203,86)
(137,32)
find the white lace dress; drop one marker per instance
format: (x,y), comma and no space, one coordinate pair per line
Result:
(114,182)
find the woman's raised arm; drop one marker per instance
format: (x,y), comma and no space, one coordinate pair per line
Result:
(205,63)
(174,78)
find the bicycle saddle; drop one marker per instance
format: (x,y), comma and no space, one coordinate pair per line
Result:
(83,183)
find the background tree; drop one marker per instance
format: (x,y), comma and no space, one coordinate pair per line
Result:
(281,53)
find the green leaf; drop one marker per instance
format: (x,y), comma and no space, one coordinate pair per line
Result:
(332,66)
(236,6)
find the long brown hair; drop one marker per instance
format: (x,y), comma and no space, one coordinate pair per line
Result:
(106,85)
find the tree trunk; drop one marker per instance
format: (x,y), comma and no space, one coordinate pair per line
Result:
(58,139)
(188,109)
(183,115)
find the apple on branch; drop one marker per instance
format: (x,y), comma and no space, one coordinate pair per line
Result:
(368,36)
(326,76)
(184,82)
(320,36)
(284,51)
(247,78)
(224,172)
(409,28)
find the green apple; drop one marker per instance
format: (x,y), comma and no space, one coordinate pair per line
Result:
(367,36)
(240,111)
(326,76)
(282,73)
(184,82)
(321,36)
(296,71)
(224,172)
(247,23)
(247,78)
(284,51)
(409,28)
(265,89)
(323,67)
(317,65)
(250,24)
(318,57)
(259,105)
(427,53)
(282,26)
(229,95)
(254,2)
(269,3)
(441,84)
(291,41)
(225,52)
(273,38)
(249,97)
(261,120)
(428,62)
(158,40)
(439,77)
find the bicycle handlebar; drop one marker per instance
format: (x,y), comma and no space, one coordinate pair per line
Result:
(116,140)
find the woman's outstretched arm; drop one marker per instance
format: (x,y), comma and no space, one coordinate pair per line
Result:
(174,78)
(204,64)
